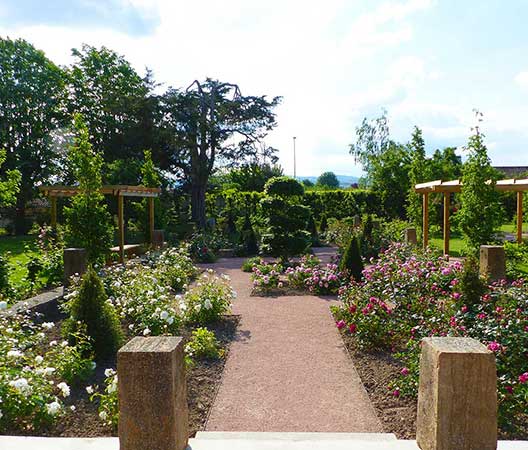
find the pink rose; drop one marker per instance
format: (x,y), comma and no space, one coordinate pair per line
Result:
(340,324)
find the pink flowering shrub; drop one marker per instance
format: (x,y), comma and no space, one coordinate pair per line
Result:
(405,297)
(266,277)
(309,274)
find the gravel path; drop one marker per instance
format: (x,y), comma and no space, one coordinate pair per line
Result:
(288,369)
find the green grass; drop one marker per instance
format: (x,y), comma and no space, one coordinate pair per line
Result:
(456,245)
(14,248)
(510,227)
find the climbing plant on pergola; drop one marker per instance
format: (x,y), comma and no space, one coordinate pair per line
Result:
(448,187)
(119,191)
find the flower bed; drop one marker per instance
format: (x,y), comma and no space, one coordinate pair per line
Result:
(44,378)
(407,296)
(305,276)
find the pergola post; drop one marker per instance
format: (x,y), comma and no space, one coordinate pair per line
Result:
(446,223)
(151,219)
(519,216)
(53,211)
(425,221)
(121,227)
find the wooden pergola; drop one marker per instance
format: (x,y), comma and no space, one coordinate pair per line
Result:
(119,191)
(449,187)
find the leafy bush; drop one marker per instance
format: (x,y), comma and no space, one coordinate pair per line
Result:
(266,276)
(6,291)
(351,262)
(323,226)
(88,307)
(88,222)
(108,399)
(208,300)
(203,344)
(174,268)
(516,258)
(142,299)
(248,264)
(283,187)
(34,374)
(203,246)
(249,238)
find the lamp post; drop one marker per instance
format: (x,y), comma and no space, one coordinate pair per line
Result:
(294,159)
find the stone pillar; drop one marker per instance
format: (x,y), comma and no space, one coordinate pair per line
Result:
(409,236)
(493,262)
(75,262)
(457,397)
(153,411)
(357,221)
(158,238)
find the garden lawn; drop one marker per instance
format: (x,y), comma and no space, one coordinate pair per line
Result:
(18,254)
(510,228)
(456,245)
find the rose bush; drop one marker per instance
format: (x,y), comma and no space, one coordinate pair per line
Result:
(407,296)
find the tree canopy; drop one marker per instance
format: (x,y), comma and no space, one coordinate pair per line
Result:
(327,179)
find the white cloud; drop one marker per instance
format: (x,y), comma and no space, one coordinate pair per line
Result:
(290,48)
(522,80)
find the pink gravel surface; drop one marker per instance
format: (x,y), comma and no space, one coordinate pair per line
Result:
(288,369)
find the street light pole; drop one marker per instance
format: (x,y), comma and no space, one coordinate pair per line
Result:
(294,159)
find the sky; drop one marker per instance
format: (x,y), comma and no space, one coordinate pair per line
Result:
(429,63)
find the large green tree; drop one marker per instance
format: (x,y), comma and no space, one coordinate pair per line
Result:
(480,213)
(210,124)
(10,186)
(385,162)
(419,172)
(116,103)
(32,94)
(327,180)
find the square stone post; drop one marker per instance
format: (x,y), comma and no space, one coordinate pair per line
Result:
(409,236)
(457,397)
(75,262)
(153,411)
(357,221)
(493,262)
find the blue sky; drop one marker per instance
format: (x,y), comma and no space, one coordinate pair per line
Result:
(428,62)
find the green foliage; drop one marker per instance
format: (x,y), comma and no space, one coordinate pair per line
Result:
(480,213)
(248,264)
(203,344)
(283,187)
(312,229)
(327,179)
(351,262)
(31,109)
(114,102)
(89,310)
(307,183)
(419,172)
(472,287)
(516,259)
(249,238)
(208,300)
(253,176)
(5,286)
(285,224)
(10,186)
(323,226)
(87,220)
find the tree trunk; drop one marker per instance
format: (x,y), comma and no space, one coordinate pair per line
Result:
(198,204)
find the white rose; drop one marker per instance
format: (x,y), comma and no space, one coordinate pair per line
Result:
(3,305)
(39,359)
(53,408)
(65,389)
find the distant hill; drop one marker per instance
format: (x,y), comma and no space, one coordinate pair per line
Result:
(344,180)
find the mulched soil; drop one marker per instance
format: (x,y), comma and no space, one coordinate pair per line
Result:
(397,414)
(203,380)
(377,370)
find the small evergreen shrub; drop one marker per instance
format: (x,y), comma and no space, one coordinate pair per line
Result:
(312,229)
(203,344)
(472,287)
(323,226)
(248,264)
(89,309)
(351,261)
(249,238)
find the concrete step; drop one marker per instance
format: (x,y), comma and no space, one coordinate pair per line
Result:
(292,437)
(211,443)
